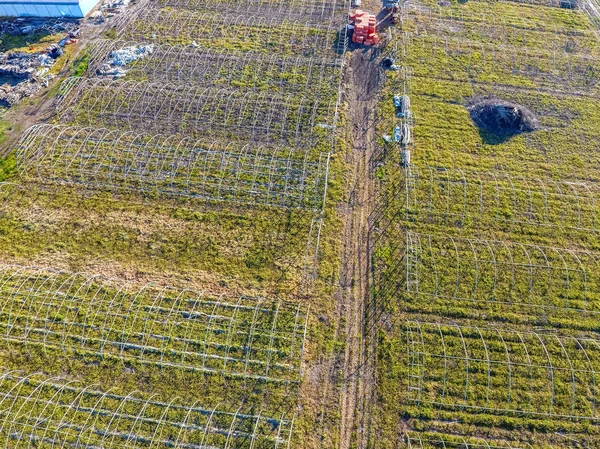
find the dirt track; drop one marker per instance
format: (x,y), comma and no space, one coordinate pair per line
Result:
(363,80)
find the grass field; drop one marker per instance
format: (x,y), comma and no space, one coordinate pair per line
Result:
(486,258)
(182,253)
(176,276)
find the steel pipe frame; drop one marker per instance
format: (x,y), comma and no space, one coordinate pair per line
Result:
(416,440)
(173,167)
(488,21)
(204,66)
(70,415)
(565,71)
(555,365)
(185,25)
(40,306)
(566,266)
(580,197)
(316,10)
(194,110)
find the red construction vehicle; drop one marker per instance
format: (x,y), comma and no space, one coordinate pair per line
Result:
(364,26)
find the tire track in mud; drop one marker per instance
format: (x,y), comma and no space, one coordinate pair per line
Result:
(363,81)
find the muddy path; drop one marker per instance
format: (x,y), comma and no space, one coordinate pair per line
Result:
(363,85)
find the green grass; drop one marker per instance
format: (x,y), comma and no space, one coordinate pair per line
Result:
(7,167)
(24,42)
(453,62)
(80,65)
(220,248)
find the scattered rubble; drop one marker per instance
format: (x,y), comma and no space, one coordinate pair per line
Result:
(118,59)
(501,118)
(22,65)
(111,8)
(23,26)
(23,74)
(12,95)
(114,4)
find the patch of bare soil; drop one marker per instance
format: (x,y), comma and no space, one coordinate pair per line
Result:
(363,83)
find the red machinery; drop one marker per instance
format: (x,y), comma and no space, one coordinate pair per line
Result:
(364,28)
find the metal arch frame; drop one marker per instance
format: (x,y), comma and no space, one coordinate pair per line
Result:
(502,260)
(417,362)
(47,403)
(316,9)
(294,31)
(530,365)
(186,335)
(434,348)
(70,407)
(421,440)
(115,414)
(124,323)
(19,385)
(506,26)
(231,329)
(584,200)
(90,429)
(296,179)
(162,420)
(204,65)
(509,58)
(139,415)
(209,331)
(114,103)
(170,319)
(484,21)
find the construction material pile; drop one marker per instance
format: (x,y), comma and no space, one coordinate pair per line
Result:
(363,26)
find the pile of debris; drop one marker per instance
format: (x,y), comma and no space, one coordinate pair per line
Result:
(114,4)
(22,75)
(23,65)
(501,118)
(108,9)
(112,7)
(118,59)
(23,26)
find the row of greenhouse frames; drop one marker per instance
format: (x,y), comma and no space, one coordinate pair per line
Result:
(158,129)
(489,325)
(222,106)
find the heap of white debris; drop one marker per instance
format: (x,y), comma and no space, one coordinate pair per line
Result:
(119,59)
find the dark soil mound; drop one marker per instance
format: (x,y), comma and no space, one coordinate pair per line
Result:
(502,118)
